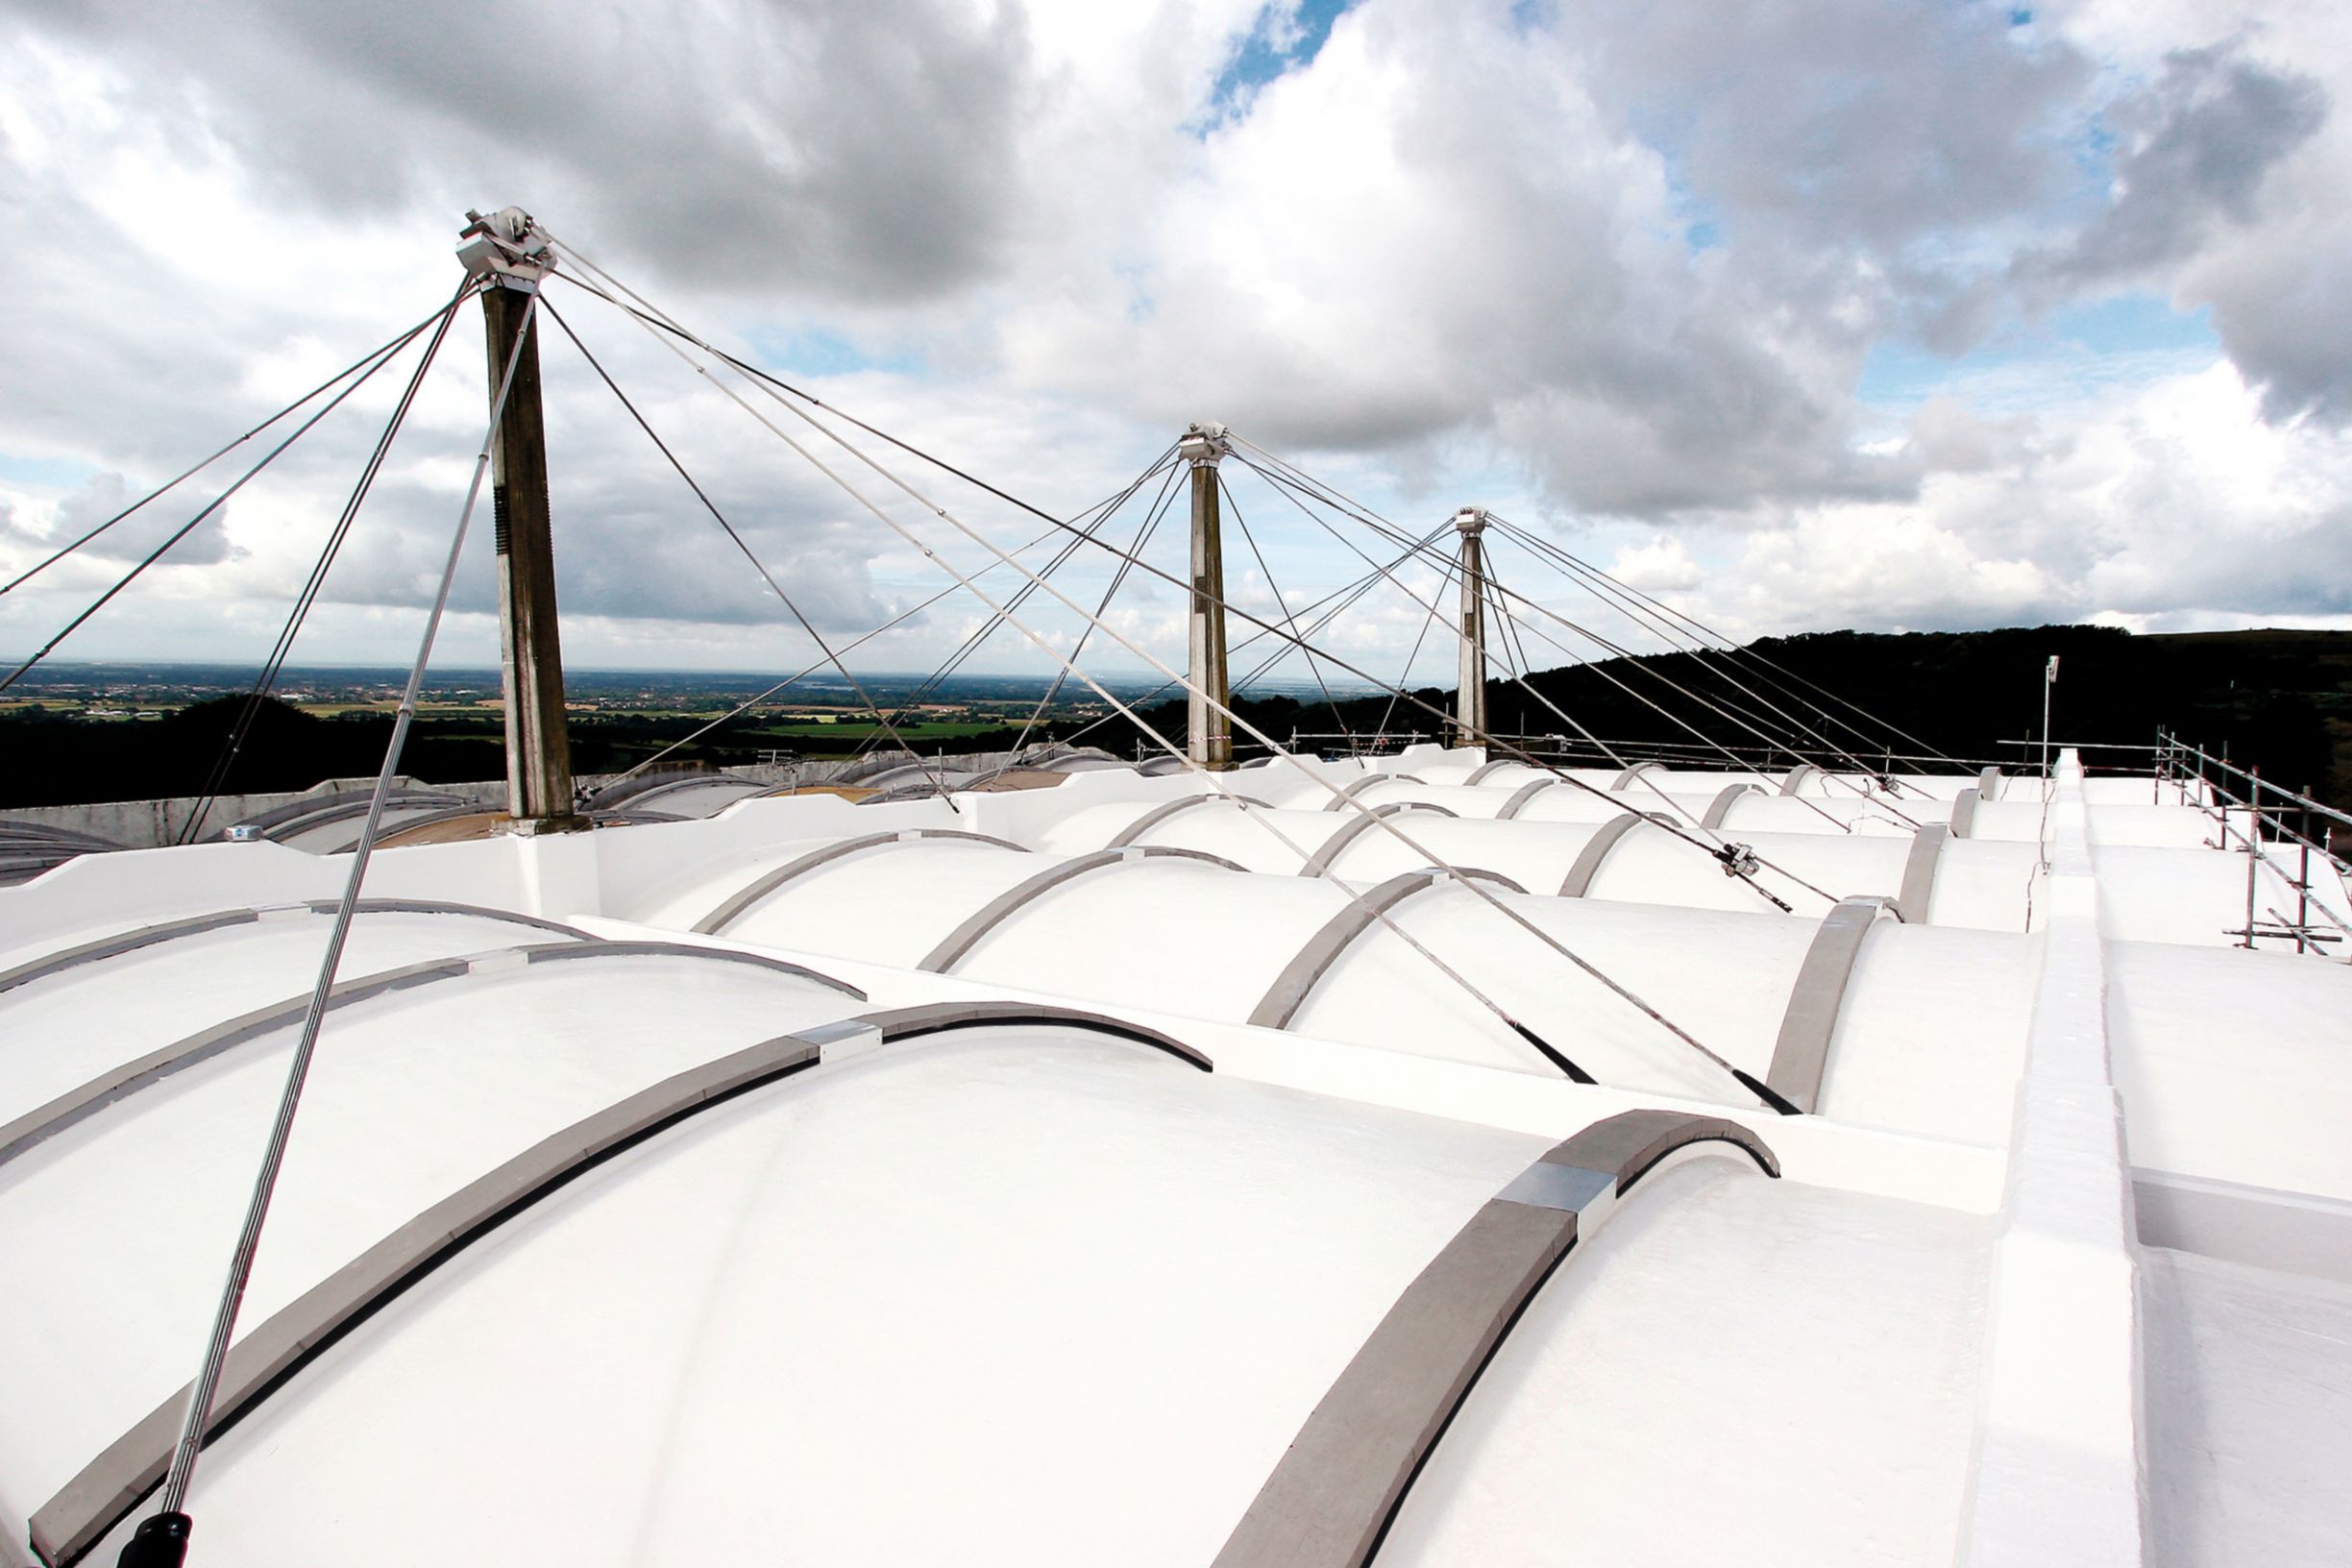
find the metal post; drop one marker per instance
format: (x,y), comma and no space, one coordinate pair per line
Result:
(2303,881)
(1470,684)
(2253,847)
(507,248)
(2050,683)
(1208,727)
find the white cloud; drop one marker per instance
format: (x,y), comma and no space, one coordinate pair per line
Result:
(1614,270)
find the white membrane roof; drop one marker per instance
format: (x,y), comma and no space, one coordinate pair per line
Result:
(1078,1175)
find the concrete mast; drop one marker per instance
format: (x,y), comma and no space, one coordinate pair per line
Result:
(1208,731)
(1470,689)
(509,250)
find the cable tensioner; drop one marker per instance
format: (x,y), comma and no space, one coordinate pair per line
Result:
(1738,859)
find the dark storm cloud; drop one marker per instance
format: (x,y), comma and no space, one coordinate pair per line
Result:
(860,152)
(2197,144)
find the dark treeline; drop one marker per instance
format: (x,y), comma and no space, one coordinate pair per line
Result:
(2280,700)
(59,761)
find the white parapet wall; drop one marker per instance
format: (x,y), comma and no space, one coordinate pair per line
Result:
(2060,1476)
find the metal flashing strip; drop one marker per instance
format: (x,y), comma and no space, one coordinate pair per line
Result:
(965,937)
(1312,961)
(1579,878)
(1629,774)
(1338,802)
(1964,811)
(1162,812)
(1354,828)
(116,1083)
(1522,796)
(111,1485)
(1801,1056)
(1330,1500)
(759,888)
(1919,875)
(566,952)
(1989,784)
(149,935)
(1794,780)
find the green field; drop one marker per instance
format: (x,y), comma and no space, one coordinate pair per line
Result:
(912,730)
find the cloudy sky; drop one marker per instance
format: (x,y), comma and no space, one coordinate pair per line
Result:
(1877,313)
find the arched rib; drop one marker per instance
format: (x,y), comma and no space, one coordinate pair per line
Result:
(1338,802)
(119,1082)
(1354,828)
(1330,1498)
(111,1485)
(965,937)
(1794,780)
(759,888)
(1720,806)
(1579,878)
(1312,962)
(1989,784)
(939,1018)
(1522,796)
(1920,873)
(1629,774)
(312,810)
(1964,811)
(1162,812)
(1801,1056)
(149,935)
(1484,769)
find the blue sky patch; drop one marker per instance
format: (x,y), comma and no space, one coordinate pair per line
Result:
(1276,44)
(53,472)
(2074,351)
(820,353)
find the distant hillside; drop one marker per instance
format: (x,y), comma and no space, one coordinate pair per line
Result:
(2279,700)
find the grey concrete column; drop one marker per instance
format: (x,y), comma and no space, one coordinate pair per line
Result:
(507,248)
(1470,685)
(1208,730)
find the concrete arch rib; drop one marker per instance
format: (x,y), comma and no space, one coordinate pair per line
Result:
(1629,774)
(1330,1498)
(1579,878)
(1720,806)
(1522,796)
(86,1100)
(967,935)
(1169,808)
(739,902)
(1919,875)
(1800,1055)
(1989,784)
(107,1488)
(149,935)
(1354,828)
(1312,962)
(1794,780)
(1485,769)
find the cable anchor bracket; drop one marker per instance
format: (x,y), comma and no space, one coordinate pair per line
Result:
(508,248)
